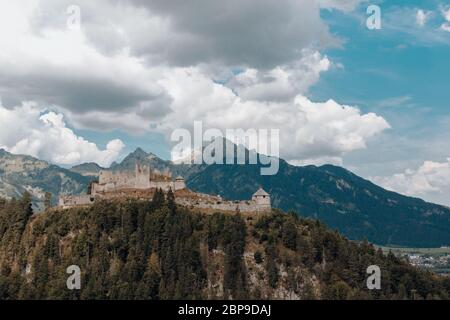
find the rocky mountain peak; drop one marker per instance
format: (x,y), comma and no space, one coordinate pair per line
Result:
(139,153)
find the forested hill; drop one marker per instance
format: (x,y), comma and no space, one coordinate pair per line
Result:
(130,249)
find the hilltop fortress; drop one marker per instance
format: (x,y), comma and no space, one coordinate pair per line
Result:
(143,182)
(142,178)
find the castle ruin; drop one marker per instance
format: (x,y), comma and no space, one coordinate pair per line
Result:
(143,182)
(143,178)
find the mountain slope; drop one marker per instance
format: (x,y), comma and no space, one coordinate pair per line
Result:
(142,157)
(356,207)
(20,172)
(87,169)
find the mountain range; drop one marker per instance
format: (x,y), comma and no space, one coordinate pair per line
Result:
(20,173)
(342,200)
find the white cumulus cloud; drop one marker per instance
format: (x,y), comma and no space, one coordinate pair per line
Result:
(142,66)
(308,130)
(283,82)
(431,177)
(344,5)
(446,14)
(59,66)
(28,129)
(445,27)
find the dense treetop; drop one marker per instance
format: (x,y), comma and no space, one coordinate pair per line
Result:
(130,249)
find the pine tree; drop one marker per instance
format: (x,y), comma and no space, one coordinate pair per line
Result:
(289,234)
(171,201)
(27,206)
(258,257)
(48,200)
(158,198)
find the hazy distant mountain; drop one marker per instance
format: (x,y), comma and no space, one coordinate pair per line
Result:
(87,169)
(144,158)
(20,172)
(344,201)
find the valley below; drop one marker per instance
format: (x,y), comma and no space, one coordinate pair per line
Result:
(436,260)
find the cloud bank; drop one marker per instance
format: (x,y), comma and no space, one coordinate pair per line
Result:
(145,66)
(430,178)
(28,130)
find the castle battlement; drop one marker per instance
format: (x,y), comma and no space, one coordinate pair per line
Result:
(143,182)
(142,178)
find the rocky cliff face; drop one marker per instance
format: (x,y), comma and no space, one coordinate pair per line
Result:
(293,283)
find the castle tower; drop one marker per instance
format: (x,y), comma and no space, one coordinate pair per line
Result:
(179,183)
(262,199)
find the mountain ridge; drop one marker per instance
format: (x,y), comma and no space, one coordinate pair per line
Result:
(344,201)
(20,173)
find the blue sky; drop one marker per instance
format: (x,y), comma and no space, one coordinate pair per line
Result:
(401,72)
(395,74)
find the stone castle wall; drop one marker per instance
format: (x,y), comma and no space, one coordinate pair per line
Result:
(74,201)
(166,185)
(242,206)
(143,179)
